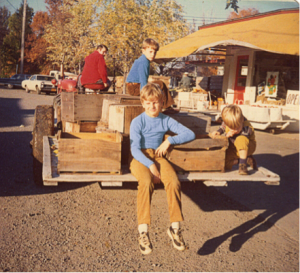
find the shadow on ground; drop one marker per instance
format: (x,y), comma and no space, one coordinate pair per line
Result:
(277,201)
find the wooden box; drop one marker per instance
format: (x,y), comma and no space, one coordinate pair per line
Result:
(78,107)
(120,99)
(87,107)
(201,154)
(200,124)
(120,116)
(89,152)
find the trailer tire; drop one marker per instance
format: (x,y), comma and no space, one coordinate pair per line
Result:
(43,126)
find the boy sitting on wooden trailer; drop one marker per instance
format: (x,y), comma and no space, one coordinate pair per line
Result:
(242,143)
(150,167)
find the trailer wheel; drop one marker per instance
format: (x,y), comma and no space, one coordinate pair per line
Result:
(43,126)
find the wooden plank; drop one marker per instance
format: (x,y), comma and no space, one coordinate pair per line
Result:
(116,118)
(88,107)
(88,127)
(202,142)
(92,155)
(67,106)
(131,112)
(47,173)
(215,183)
(71,127)
(113,137)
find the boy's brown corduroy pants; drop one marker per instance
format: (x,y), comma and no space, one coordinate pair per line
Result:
(145,187)
(241,143)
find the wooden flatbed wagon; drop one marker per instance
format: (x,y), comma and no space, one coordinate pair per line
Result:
(87,147)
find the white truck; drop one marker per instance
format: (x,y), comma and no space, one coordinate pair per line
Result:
(58,75)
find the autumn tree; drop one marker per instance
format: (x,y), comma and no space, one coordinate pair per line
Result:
(71,34)
(243,13)
(121,25)
(11,50)
(36,45)
(124,26)
(4,15)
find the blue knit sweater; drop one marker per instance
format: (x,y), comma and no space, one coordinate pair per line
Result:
(139,72)
(147,133)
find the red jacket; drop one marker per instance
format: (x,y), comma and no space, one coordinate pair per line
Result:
(94,70)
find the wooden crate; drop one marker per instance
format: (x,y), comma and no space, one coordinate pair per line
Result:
(89,152)
(119,99)
(79,107)
(197,122)
(201,154)
(88,107)
(120,116)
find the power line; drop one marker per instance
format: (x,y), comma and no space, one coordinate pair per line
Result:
(11,4)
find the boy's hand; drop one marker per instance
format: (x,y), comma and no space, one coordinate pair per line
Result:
(214,134)
(162,149)
(231,133)
(156,175)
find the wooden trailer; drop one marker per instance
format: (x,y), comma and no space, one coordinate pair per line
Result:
(92,144)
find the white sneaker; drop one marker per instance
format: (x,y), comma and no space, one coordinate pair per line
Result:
(176,238)
(144,243)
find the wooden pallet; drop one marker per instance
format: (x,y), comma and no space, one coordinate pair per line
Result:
(51,177)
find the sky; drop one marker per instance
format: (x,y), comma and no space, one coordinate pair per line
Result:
(195,11)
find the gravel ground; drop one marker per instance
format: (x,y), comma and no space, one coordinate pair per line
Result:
(83,227)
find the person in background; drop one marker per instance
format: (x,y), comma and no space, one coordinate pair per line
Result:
(186,81)
(94,74)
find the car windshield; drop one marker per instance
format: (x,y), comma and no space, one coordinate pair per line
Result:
(45,78)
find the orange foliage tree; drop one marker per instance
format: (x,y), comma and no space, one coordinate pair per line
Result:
(36,45)
(243,13)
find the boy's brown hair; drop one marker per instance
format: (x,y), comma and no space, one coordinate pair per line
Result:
(151,90)
(232,116)
(150,43)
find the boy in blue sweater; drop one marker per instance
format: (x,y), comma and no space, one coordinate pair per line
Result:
(139,73)
(150,167)
(140,70)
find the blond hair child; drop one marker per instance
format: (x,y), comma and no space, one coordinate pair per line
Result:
(242,143)
(150,167)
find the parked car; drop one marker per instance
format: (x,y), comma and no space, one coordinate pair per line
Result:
(39,83)
(15,80)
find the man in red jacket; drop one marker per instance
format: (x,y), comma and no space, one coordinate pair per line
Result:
(94,74)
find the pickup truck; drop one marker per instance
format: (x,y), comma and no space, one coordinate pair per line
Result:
(39,83)
(15,80)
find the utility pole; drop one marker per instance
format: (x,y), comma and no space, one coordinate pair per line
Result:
(23,36)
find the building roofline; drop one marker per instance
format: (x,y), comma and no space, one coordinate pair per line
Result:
(251,17)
